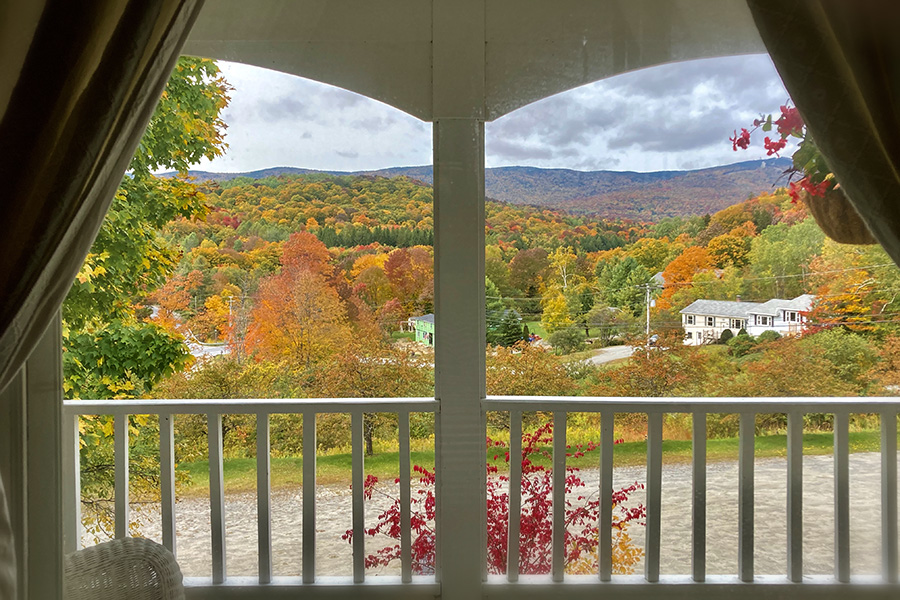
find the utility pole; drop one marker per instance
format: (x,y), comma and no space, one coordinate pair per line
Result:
(647,290)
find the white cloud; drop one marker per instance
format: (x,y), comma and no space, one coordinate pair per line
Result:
(670,117)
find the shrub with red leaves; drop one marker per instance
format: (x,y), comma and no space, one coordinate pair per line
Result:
(536,525)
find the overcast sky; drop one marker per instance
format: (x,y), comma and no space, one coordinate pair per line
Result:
(677,116)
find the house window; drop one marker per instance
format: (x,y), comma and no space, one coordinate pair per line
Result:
(761,320)
(710,321)
(737,323)
(790,315)
(688,319)
(689,335)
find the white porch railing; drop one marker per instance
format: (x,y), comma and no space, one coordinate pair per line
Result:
(404,586)
(792,581)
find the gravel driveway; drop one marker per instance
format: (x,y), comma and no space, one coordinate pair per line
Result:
(334,508)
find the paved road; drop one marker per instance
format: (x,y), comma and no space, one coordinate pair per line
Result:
(207,350)
(611,353)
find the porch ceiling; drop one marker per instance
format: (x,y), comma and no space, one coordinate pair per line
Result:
(533,49)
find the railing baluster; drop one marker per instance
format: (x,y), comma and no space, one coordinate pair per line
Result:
(405,498)
(120,447)
(309,497)
(795,497)
(263,498)
(654,495)
(71,465)
(216,496)
(842,497)
(359,543)
(889,495)
(515,495)
(746,443)
(559,495)
(167,480)
(607,421)
(439,500)
(698,484)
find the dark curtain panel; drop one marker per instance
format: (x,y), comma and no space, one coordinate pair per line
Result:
(840,61)
(80,101)
(87,89)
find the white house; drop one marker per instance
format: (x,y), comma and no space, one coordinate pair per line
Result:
(704,321)
(783,316)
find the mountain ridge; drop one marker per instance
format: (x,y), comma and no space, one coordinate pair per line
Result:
(610,194)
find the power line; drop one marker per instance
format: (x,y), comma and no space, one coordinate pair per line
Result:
(699,283)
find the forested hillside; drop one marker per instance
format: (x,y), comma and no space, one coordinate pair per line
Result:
(610,194)
(313,275)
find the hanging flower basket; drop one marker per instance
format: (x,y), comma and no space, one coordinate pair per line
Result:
(816,186)
(837,217)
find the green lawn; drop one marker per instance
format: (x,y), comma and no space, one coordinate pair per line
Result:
(240,473)
(536,328)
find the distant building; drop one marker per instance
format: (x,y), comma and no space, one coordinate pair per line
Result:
(424,328)
(704,321)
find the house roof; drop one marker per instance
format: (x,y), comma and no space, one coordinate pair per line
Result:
(429,318)
(720,308)
(771,307)
(729,308)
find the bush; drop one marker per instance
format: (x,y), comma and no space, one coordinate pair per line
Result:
(741,345)
(851,354)
(767,336)
(567,341)
(726,335)
(581,541)
(580,370)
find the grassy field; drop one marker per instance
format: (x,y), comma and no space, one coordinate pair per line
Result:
(240,473)
(536,328)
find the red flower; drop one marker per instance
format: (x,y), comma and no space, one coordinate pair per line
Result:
(815,189)
(806,184)
(794,191)
(789,122)
(742,140)
(774,146)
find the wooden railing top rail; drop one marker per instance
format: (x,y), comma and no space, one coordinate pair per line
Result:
(242,405)
(851,404)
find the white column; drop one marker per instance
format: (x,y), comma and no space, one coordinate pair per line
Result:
(458,56)
(44,523)
(459,352)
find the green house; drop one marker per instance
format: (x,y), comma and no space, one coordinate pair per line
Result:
(424,328)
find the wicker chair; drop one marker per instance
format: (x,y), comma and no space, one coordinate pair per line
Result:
(123,569)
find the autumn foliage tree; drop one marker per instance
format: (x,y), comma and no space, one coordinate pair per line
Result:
(669,368)
(365,368)
(681,271)
(107,351)
(298,317)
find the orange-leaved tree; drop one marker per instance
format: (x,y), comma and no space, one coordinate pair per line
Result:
(681,271)
(298,315)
